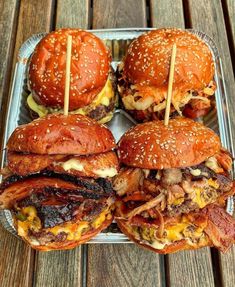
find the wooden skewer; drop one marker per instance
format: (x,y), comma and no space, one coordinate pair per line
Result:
(67,75)
(170,85)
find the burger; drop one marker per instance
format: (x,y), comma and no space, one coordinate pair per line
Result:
(172,187)
(58,180)
(144,71)
(92,88)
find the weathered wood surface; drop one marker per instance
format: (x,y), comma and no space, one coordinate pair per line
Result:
(17,259)
(112,265)
(165,14)
(73,14)
(170,14)
(118,14)
(121,265)
(49,266)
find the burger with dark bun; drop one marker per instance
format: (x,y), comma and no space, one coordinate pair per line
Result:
(58,181)
(172,187)
(144,71)
(92,87)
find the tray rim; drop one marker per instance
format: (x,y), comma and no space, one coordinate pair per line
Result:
(216,55)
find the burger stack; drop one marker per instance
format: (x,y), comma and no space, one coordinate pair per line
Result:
(167,185)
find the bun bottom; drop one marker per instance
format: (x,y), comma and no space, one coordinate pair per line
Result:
(65,245)
(171,248)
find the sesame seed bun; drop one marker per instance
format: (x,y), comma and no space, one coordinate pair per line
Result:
(194,67)
(143,74)
(90,64)
(182,143)
(59,134)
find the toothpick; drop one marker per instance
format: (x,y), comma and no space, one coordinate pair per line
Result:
(170,85)
(67,75)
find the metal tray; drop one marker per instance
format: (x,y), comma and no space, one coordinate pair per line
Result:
(117,40)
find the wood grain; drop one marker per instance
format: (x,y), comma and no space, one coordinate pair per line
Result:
(231,17)
(49,266)
(117,14)
(16,268)
(115,264)
(58,268)
(166,13)
(227,262)
(190,268)
(207,16)
(123,265)
(7,19)
(184,266)
(73,14)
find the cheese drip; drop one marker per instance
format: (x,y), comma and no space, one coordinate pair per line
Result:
(103,98)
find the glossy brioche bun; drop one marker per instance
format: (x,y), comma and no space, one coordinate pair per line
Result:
(148,58)
(69,244)
(59,134)
(90,64)
(171,248)
(153,145)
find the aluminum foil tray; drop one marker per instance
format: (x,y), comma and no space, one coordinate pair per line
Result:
(117,40)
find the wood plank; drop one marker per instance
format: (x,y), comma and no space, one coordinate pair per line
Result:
(166,13)
(229,17)
(49,266)
(190,268)
(227,262)
(181,267)
(7,23)
(118,14)
(208,17)
(16,268)
(16,261)
(230,14)
(58,268)
(123,265)
(73,14)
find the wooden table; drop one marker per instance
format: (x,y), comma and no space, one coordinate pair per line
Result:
(112,265)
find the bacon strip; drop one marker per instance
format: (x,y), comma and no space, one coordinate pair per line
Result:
(150,204)
(220,227)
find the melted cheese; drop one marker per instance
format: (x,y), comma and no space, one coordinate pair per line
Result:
(106,172)
(198,198)
(104,97)
(174,232)
(32,221)
(72,164)
(213,183)
(74,230)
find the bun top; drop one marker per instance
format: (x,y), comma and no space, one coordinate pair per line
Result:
(148,59)
(90,64)
(59,134)
(182,143)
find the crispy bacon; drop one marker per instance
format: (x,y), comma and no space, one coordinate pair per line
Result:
(148,205)
(224,159)
(220,227)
